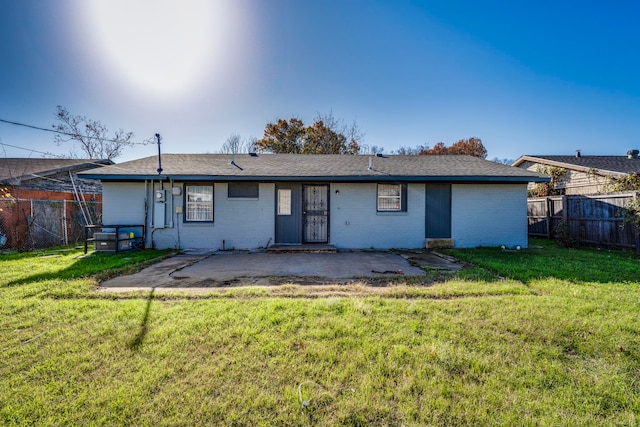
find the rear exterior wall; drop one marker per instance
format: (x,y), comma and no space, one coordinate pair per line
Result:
(481,215)
(489,215)
(355,222)
(237,223)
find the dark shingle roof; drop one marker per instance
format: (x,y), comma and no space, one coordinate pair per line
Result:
(308,167)
(603,164)
(14,170)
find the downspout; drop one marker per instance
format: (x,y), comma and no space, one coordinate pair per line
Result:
(146,211)
(173,212)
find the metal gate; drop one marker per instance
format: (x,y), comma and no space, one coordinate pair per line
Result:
(315,213)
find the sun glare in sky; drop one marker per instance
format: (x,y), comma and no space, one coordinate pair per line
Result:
(158,47)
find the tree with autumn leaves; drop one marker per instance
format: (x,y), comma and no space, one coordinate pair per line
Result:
(471,147)
(325,136)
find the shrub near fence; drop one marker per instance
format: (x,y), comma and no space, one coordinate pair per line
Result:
(593,220)
(27,224)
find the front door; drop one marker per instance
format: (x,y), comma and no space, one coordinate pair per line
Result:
(315,213)
(438,209)
(288,214)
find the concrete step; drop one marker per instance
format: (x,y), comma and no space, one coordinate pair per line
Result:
(304,248)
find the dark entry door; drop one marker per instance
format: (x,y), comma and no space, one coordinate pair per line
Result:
(315,213)
(438,209)
(288,213)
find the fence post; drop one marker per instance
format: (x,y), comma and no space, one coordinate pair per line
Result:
(547,209)
(64,222)
(637,227)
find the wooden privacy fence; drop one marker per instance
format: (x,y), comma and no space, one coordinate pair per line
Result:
(590,220)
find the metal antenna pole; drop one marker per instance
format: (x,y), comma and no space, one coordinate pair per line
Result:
(159,155)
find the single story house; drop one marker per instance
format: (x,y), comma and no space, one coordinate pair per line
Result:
(580,174)
(221,201)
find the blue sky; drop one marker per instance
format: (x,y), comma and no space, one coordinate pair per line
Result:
(542,77)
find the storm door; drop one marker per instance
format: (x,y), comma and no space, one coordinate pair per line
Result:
(315,213)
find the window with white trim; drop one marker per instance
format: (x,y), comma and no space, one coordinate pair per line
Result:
(199,203)
(392,198)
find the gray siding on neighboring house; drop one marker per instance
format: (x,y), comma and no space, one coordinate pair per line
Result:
(573,182)
(489,215)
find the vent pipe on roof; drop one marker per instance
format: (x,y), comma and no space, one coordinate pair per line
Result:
(632,154)
(577,153)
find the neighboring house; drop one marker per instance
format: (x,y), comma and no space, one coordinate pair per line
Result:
(218,201)
(581,174)
(43,202)
(49,179)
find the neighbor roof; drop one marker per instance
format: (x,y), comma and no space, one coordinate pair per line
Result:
(314,167)
(604,165)
(15,170)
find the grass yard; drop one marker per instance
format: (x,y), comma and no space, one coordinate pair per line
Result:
(545,336)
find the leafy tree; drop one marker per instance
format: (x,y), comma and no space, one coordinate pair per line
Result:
(629,182)
(325,136)
(550,188)
(438,149)
(284,136)
(354,136)
(320,139)
(630,215)
(91,135)
(472,147)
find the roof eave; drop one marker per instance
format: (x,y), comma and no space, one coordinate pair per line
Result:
(322,178)
(602,172)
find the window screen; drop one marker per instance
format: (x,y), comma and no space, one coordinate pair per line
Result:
(199,203)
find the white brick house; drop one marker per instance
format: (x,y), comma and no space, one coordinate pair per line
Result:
(214,201)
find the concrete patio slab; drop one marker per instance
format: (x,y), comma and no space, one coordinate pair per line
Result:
(237,268)
(329,265)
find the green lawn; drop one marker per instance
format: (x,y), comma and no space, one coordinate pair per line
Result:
(544,336)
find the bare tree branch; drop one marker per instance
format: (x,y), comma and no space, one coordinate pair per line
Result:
(235,144)
(91,136)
